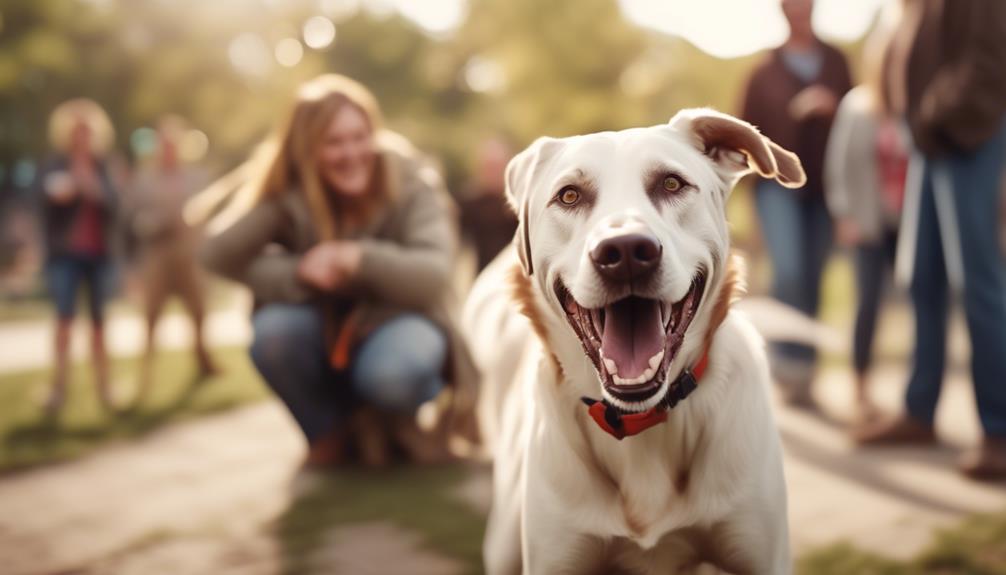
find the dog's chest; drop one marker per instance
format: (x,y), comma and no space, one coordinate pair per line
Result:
(644,492)
(654,501)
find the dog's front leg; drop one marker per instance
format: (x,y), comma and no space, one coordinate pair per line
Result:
(551,545)
(755,537)
(501,550)
(553,538)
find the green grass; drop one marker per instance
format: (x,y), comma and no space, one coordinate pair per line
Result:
(415,498)
(975,547)
(27,438)
(25,308)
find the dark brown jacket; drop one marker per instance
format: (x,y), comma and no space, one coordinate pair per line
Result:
(957,74)
(772,87)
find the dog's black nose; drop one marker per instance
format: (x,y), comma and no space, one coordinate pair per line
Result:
(628,257)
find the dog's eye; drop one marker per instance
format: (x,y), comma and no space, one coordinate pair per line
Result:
(673,183)
(569,196)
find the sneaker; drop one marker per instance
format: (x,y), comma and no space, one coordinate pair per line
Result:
(900,430)
(986,462)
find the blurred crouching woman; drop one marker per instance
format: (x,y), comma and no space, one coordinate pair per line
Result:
(348,245)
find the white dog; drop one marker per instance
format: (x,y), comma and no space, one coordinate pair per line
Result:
(624,282)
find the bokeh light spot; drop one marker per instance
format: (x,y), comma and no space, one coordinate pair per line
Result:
(249,54)
(193,146)
(319,32)
(143,141)
(289,52)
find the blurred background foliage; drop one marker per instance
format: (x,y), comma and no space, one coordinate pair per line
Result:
(514,68)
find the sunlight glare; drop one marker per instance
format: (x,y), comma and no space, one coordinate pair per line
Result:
(437,16)
(730,28)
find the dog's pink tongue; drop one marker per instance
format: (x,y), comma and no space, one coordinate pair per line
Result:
(632,334)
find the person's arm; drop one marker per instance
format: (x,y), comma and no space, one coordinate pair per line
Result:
(55,184)
(845,158)
(416,270)
(239,253)
(966,99)
(837,161)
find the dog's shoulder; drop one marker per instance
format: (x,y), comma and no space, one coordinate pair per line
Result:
(738,340)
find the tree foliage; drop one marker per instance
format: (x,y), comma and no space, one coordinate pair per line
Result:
(559,67)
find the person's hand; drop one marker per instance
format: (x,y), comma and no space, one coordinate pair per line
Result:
(86,180)
(813,101)
(329,265)
(59,187)
(847,232)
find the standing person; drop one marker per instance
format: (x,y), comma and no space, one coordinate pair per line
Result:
(166,244)
(348,248)
(792,97)
(79,216)
(865,170)
(486,219)
(948,76)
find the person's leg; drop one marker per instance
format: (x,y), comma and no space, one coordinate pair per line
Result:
(929,300)
(399,366)
(155,294)
(289,351)
(98,275)
(62,279)
(976,181)
(189,287)
(871,263)
(397,369)
(817,235)
(779,213)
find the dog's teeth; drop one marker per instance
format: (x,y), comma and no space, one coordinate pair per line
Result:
(641,379)
(610,366)
(656,359)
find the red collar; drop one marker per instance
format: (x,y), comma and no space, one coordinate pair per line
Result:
(610,419)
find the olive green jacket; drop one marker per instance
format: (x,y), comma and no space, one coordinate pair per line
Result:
(408,254)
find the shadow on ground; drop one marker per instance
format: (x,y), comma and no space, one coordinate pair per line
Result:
(422,501)
(28,438)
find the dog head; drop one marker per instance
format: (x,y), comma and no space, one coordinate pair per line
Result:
(623,237)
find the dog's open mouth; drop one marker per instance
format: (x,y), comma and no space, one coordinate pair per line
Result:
(632,341)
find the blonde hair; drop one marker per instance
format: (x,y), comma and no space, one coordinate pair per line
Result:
(65,118)
(288,162)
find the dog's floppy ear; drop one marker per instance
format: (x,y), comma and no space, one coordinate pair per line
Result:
(738,148)
(519,175)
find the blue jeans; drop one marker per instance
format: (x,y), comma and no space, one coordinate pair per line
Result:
(975,179)
(65,274)
(397,368)
(797,231)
